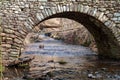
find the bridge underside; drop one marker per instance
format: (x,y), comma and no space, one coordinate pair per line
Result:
(107,44)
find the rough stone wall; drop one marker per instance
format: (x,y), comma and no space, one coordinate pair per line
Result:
(19,17)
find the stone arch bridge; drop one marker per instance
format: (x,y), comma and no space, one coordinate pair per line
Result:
(20,17)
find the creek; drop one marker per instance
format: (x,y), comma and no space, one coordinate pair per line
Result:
(56,60)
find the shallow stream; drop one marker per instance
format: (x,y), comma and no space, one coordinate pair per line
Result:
(56,60)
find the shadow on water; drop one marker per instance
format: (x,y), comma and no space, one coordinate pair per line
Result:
(13,73)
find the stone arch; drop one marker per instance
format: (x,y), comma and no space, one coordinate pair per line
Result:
(94,20)
(97,23)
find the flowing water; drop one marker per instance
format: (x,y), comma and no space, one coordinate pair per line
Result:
(56,60)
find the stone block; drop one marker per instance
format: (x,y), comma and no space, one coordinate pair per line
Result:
(2,34)
(114,19)
(107,23)
(118,18)
(117,14)
(17,40)
(86,9)
(6,45)
(8,31)
(102,9)
(110,15)
(101,16)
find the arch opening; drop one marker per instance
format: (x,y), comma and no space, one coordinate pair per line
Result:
(107,44)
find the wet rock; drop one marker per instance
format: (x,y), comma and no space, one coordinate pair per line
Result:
(23,60)
(41,46)
(98,76)
(40,79)
(91,76)
(117,76)
(88,70)
(96,72)
(50,61)
(59,79)
(43,77)
(24,77)
(41,65)
(104,69)
(110,76)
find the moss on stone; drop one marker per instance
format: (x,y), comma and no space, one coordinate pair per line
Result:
(62,62)
(86,44)
(2,68)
